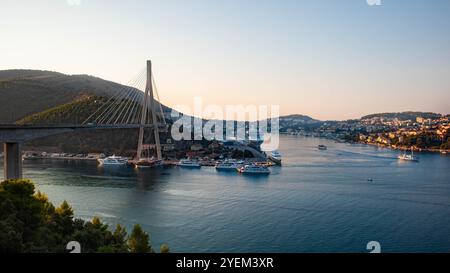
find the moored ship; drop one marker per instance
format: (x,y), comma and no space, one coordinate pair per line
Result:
(189,163)
(227,165)
(113,161)
(148,163)
(275,157)
(254,169)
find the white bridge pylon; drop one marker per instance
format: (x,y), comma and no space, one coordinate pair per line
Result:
(149,99)
(131,104)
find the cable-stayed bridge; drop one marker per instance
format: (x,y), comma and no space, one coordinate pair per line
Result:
(132,107)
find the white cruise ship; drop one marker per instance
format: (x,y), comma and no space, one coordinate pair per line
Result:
(188,163)
(113,161)
(275,156)
(227,165)
(253,169)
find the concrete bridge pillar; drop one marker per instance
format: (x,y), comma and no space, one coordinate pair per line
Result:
(12,160)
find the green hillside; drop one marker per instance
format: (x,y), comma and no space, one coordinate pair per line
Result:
(74,112)
(86,110)
(27,92)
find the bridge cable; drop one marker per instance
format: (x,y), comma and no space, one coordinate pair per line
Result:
(111,111)
(123,105)
(105,105)
(159,100)
(131,103)
(116,111)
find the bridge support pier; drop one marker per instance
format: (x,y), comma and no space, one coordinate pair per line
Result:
(12,160)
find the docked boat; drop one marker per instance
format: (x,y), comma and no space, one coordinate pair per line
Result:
(113,161)
(264,163)
(254,169)
(227,165)
(148,163)
(322,147)
(275,156)
(208,163)
(189,163)
(29,157)
(408,157)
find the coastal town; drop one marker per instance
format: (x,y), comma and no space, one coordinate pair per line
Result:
(402,131)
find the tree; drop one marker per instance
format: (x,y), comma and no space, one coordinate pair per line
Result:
(25,208)
(93,235)
(30,223)
(10,237)
(164,248)
(63,217)
(138,241)
(120,240)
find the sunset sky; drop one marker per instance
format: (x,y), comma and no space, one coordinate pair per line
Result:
(329,59)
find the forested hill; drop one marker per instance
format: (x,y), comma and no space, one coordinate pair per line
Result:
(27,92)
(403,115)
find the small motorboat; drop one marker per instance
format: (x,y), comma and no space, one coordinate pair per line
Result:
(322,147)
(408,157)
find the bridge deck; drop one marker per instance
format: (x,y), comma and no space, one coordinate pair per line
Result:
(12,133)
(78,126)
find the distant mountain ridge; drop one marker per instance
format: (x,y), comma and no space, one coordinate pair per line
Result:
(23,73)
(408,115)
(299,118)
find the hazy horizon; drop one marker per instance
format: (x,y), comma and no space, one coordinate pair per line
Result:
(330,60)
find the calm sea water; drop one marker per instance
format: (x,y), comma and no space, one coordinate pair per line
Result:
(318,201)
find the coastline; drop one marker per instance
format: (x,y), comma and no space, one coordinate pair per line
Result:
(397,148)
(405,148)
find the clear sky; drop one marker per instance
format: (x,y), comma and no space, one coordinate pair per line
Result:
(330,59)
